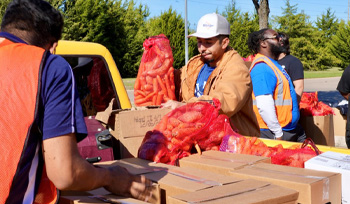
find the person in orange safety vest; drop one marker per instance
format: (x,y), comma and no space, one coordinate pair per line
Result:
(274,99)
(41,117)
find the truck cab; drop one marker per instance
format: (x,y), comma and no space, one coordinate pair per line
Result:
(97,76)
(98,82)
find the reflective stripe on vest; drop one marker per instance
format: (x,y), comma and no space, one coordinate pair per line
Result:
(281,96)
(21,141)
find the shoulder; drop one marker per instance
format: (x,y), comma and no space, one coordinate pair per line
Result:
(261,69)
(57,66)
(292,59)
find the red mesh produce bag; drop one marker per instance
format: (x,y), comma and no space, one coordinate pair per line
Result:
(215,132)
(101,89)
(294,156)
(239,144)
(179,130)
(310,106)
(155,79)
(297,156)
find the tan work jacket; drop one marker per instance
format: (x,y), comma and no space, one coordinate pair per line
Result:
(230,82)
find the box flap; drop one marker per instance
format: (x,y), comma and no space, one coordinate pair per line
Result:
(94,200)
(221,162)
(104,115)
(252,190)
(136,166)
(315,186)
(135,123)
(189,179)
(280,172)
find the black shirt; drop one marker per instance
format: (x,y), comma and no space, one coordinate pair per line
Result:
(293,66)
(344,87)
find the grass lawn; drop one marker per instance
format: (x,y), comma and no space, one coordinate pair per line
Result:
(333,72)
(129,83)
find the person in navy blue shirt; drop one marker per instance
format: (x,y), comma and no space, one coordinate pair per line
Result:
(61,119)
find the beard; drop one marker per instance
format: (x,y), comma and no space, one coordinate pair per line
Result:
(276,50)
(205,59)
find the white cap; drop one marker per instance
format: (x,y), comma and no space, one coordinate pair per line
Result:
(211,25)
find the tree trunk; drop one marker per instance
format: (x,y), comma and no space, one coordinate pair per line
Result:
(263,11)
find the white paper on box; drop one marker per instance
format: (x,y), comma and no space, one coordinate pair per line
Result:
(334,162)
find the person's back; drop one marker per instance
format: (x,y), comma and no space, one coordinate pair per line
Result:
(43,119)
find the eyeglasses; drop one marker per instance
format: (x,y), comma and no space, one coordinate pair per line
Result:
(273,37)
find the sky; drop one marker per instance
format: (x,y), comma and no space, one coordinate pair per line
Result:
(198,8)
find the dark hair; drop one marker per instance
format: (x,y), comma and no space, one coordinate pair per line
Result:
(284,39)
(254,39)
(222,37)
(34,21)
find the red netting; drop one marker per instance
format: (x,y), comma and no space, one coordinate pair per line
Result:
(182,128)
(155,79)
(294,156)
(310,106)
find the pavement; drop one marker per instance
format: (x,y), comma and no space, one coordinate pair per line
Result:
(321,84)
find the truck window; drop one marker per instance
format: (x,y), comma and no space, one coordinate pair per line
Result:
(93,83)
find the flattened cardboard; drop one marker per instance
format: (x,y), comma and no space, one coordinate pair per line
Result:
(319,128)
(339,123)
(334,162)
(246,191)
(130,126)
(136,166)
(91,200)
(175,180)
(220,162)
(313,186)
(87,197)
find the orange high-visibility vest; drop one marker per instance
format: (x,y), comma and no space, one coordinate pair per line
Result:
(23,178)
(281,96)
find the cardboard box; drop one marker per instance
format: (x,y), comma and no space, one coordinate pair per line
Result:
(313,186)
(339,123)
(220,162)
(92,197)
(174,180)
(247,191)
(130,126)
(319,128)
(334,162)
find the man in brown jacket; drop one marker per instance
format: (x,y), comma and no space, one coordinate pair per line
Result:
(218,72)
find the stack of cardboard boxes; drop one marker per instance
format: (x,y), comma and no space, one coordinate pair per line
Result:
(213,176)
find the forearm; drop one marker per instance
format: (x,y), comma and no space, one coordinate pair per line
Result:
(267,111)
(69,171)
(299,88)
(345,95)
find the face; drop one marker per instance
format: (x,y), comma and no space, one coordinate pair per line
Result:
(273,40)
(211,49)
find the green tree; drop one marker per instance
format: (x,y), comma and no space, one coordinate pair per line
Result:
(3,6)
(172,25)
(339,45)
(303,38)
(114,24)
(240,25)
(327,24)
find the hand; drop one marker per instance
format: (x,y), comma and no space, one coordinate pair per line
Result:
(172,104)
(125,184)
(278,138)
